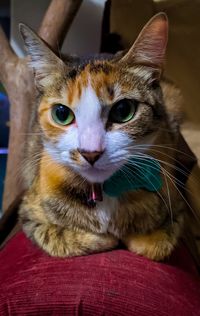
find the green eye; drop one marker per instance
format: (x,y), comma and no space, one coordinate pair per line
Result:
(123,111)
(62,115)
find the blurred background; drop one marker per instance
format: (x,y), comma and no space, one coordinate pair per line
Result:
(4,103)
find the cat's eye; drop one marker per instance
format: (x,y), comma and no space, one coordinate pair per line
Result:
(123,111)
(62,115)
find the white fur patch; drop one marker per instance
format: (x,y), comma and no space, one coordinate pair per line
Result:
(61,150)
(90,126)
(104,212)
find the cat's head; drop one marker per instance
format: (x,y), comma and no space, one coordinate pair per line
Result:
(95,115)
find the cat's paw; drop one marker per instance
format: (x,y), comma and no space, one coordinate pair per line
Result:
(60,242)
(155,246)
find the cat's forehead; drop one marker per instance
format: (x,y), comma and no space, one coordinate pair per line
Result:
(99,78)
(105,79)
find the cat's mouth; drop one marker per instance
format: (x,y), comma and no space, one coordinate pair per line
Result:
(96,175)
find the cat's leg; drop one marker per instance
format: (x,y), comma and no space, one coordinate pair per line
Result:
(158,244)
(61,242)
(57,240)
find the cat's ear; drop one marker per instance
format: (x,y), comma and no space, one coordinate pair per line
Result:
(47,66)
(150,46)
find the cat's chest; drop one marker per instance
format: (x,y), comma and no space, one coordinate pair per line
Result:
(137,211)
(105,211)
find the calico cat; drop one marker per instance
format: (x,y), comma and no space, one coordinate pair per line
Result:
(102,151)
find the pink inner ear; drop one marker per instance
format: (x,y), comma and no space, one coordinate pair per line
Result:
(150,46)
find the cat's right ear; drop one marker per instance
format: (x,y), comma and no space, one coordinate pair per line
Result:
(47,66)
(150,46)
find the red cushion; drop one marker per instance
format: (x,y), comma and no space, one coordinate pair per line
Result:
(111,283)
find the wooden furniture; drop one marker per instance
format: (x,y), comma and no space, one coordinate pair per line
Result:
(18,81)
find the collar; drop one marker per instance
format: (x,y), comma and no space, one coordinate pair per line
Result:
(138,173)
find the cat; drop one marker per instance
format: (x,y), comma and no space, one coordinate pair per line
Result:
(93,119)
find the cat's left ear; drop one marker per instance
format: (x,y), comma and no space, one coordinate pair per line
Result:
(47,66)
(150,46)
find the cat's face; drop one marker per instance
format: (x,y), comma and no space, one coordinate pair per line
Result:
(92,122)
(93,116)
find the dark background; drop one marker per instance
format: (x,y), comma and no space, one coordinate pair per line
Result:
(4,104)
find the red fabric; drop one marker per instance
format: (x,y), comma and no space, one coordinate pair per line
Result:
(111,283)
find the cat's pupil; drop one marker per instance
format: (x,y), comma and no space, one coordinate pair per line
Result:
(122,111)
(62,113)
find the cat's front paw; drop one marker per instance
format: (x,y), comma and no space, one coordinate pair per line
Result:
(60,242)
(155,246)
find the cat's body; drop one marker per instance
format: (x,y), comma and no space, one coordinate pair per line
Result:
(55,212)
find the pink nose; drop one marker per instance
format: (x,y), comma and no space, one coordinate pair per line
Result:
(91,156)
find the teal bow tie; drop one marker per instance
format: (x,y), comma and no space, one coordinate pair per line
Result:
(138,173)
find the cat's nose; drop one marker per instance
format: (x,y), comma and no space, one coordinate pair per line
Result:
(91,156)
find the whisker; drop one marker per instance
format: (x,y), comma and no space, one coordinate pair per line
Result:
(167,163)
(169,176)
(180,183)
(169,197)
(193,211)
(161,146)
(157,192)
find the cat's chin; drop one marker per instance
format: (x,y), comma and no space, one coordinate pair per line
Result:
(94,175)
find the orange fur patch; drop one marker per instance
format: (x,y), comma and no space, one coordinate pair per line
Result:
(52,175)
(156,246)
(75,86)
(101,82)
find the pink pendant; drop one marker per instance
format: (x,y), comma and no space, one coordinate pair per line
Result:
(95,194)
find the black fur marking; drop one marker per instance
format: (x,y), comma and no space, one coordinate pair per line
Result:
(72,74)
(95,68)
(110,91)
